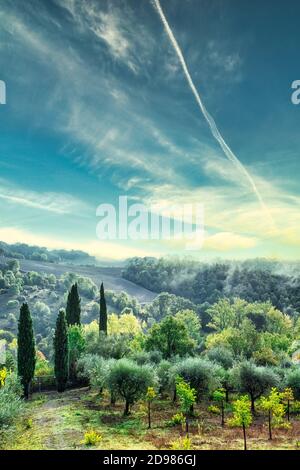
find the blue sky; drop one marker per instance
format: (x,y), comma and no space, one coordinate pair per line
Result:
(98,107)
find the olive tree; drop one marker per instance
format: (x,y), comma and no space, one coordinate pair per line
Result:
(129,381)
(255,380)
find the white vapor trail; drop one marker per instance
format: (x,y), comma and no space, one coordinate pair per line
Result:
(213,127)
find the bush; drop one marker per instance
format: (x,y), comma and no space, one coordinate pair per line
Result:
(91,438)
(10,401)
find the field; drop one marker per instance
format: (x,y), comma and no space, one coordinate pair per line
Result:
(59,421)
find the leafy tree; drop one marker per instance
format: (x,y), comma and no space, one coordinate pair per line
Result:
(150,395)
(126,323)
(61,352)
(287,397)
(103,311)
(129,381)
(222,356)
(191,321)
(293,382)
(242,415)
(255,380)
(222,315)
(73,309)
(199,373)
(76,343)
(26,349)
(187,398)
(170,337)
(273,407)
(219,397)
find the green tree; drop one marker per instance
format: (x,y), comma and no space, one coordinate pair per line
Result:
(171,337)
(199,373)
(150,395)
(255,380)
(103,311)
(73,309)
(129,381)
(187,398)
(76,343)
(287,396)
(26,349)
(61,352)
(274,408)
(219,397)
(242,416)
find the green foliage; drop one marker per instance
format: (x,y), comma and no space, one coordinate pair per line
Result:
(10,402)
(183,443)
(73,309)
(91,438)
(103,312)
(177,418)
(242,415)
(26,349)
(293,381)
(129,381)
(186,395)
(255,380)
(61,352)
(222,356)
(199,373)
(171,337)
(274,408)
(76,343)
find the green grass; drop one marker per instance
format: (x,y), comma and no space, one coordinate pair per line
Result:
(60,421)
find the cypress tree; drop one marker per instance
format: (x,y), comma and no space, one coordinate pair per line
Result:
(61,352)
(26,349)
(73,309)
(103,311)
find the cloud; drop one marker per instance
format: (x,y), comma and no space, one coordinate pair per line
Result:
(226,241)
(58,203)
(100,249)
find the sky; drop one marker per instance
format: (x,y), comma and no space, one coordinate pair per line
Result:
(98,106)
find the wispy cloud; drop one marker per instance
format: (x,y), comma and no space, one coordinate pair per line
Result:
(58,203)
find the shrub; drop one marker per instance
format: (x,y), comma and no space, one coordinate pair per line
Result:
(10,401)
(176,419)
(91,438)
(182,444)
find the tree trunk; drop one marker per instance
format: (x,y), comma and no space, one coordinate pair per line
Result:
(174,395)
(112,399)
(149,415)
(187,424)
(222,411)
(245,440)
(252,404)
(26,391)
(270,425)
(126,411)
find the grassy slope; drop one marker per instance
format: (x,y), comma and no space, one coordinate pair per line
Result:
(53,421)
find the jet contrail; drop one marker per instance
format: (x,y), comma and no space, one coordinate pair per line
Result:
(213,127)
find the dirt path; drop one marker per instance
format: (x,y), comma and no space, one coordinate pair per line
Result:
(50,422)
